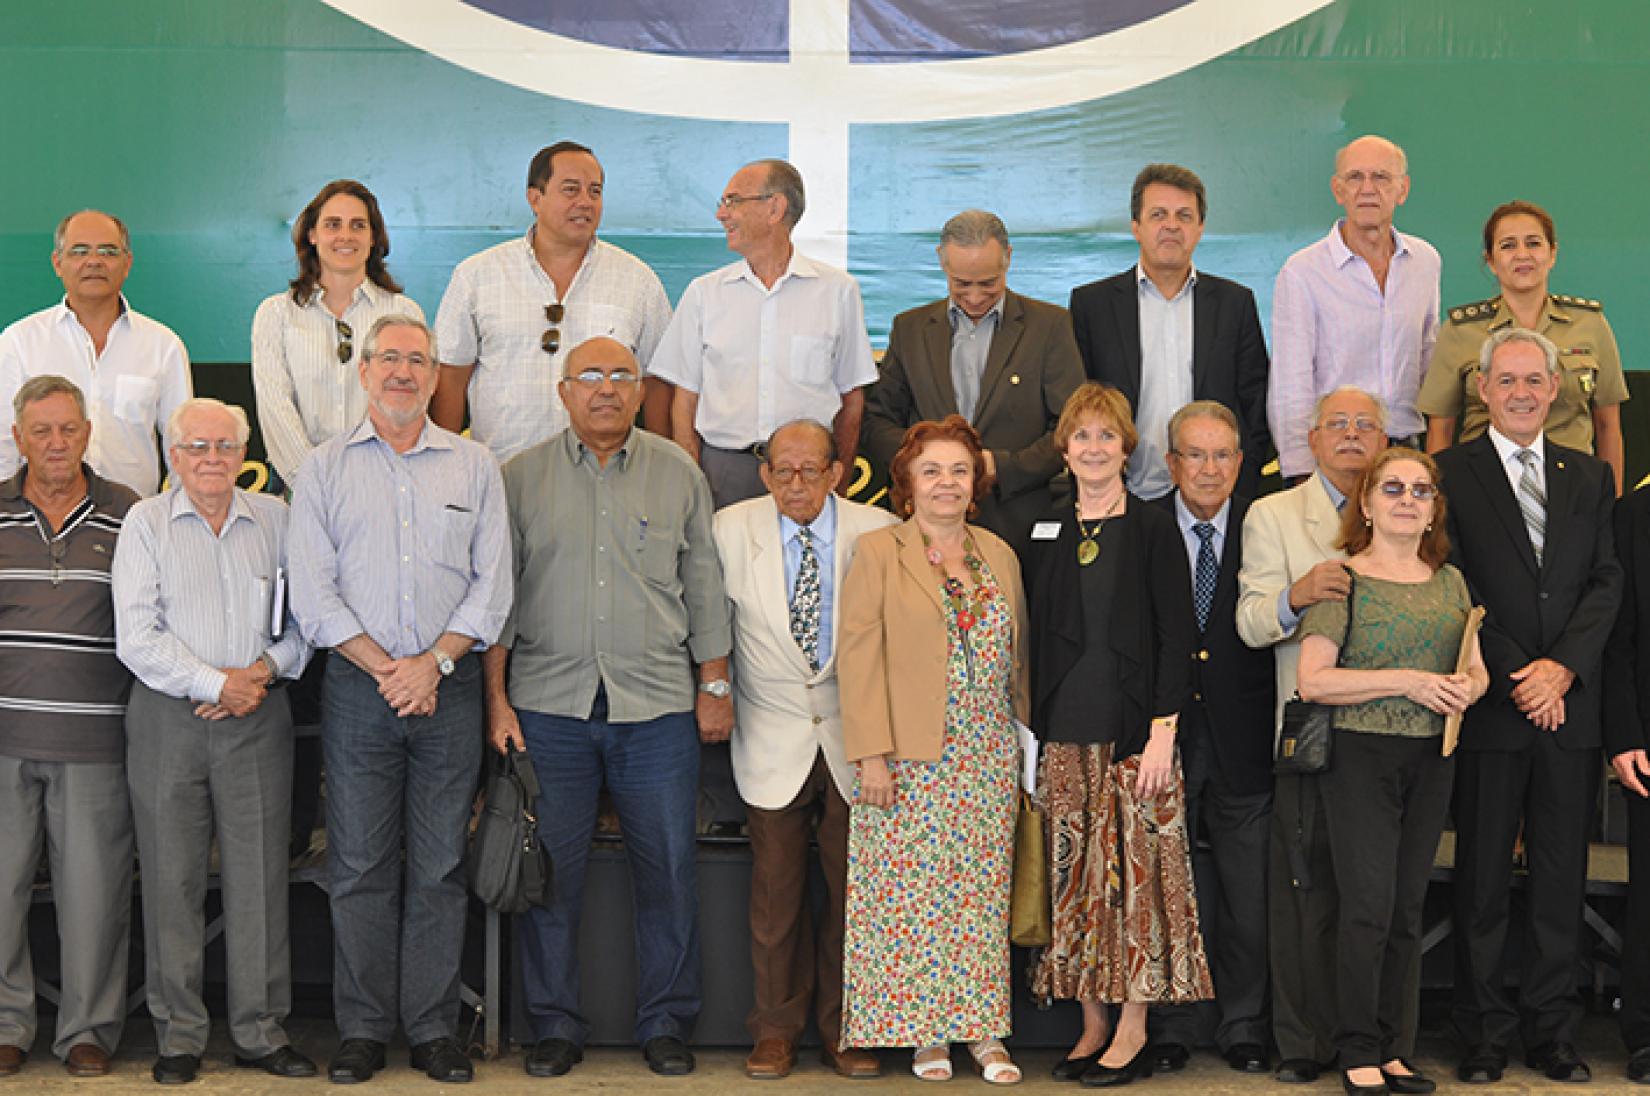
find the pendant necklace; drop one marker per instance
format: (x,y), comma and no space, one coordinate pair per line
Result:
(1088,544)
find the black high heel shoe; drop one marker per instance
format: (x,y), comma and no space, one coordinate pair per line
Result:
(1072,1069)
(1104,1076)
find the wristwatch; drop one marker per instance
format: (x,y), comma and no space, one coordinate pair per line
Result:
(719,688)
(442,662)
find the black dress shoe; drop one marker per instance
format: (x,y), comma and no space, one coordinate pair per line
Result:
(1248,1058)
(176,1069)
(1355,1089)
(1558,1061)
(1168,1057)
(1638,1066)
(282,1062)
(1298,1071)
(442,1060)
(552,1057)
(1411,1083)
(1072,1069)
(1483,1065)
(1104,1076)
(668,1056)
(356,1061)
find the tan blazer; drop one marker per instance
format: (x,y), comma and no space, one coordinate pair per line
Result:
(891,645)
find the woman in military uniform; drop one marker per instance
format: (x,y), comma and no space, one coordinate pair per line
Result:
(1520,248)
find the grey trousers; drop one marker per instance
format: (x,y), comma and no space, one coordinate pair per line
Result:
(192,780)
(79,813)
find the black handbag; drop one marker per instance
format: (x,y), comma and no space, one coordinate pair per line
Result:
(509,870)
(1306,742)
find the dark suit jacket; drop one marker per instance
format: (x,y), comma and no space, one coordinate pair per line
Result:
(1234,685)
(1151,624)
(1031,370)
(1562,609)
(1627,658)
(1229,360)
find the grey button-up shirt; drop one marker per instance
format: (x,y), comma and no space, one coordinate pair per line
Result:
(617,579)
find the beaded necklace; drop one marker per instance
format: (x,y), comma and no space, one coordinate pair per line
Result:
(966,608)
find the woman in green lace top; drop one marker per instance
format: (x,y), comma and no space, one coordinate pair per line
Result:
(1386,657)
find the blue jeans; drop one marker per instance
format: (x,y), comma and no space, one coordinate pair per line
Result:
(397,944)
(652,771)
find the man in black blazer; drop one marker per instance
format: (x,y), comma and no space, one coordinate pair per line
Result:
(1134,333)
(1006,363)
(1530,527)
(1225,741)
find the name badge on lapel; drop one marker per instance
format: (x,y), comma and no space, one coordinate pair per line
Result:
(1046,530)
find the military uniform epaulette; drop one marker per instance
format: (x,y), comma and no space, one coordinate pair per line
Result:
(1477,310)
(1578,302)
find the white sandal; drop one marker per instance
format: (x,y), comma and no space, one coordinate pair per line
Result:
(1000,1072)
(932,1068)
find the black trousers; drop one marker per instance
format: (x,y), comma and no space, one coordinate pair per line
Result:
(1635,952)
(1553,792)
(1385,801)
(1300,920)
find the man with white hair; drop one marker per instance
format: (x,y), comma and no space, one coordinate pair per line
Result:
(201,621)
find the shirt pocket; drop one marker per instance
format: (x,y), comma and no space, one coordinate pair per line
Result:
(452,529)
(1580,370)
(658,557)
(135,399)
(811,359)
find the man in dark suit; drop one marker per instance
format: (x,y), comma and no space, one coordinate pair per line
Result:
(1165,334)
(1006,363)
(1225,742)
(1530,526)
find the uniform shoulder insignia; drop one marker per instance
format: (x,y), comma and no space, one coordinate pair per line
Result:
(1568,301)
(1477,310)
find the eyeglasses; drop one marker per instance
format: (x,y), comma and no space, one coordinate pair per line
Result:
(1339,424)
(551,341)
(393,358)
(346,341)
(1420,491)
(593,378)
(200,447)
(729,201)
(811,474)
(1381,179)
(103,251)
(1199,456)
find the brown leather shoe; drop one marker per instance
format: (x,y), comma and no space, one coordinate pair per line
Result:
(770,1060)
(11,1059)
(854,1063)
(87,1060)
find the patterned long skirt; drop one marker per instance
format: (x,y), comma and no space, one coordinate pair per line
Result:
(1125,925)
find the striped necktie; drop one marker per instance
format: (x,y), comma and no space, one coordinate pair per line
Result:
(1532,503)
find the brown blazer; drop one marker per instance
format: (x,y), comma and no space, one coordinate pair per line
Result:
(891,643)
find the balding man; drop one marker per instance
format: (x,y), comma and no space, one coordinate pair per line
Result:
(1359,307)
(199,581)
(134,372)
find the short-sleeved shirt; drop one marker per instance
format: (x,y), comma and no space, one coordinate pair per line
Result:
(1589,362)
(1396,625)
(493,315)
(761,357)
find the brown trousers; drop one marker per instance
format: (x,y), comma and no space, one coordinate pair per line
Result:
(792,967)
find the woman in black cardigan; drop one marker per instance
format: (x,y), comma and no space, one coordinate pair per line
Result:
(1111,641)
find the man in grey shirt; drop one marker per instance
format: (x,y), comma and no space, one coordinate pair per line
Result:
(619,608)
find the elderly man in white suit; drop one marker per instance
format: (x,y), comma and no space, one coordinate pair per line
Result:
(1291,559)
(783,557)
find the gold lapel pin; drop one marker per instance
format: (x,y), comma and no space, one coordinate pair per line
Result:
(1014,378)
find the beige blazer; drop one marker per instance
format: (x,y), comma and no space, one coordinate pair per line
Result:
(1284,536)
(891,644)
(784,713)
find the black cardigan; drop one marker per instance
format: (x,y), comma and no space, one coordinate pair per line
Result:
(1151,622)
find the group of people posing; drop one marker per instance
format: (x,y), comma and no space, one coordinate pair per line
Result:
(640,568)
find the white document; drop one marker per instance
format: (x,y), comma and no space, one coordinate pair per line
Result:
(1028,758)
(277,605)
(1046,530)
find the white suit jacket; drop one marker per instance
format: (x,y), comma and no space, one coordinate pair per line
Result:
(784,714)
(1284,536)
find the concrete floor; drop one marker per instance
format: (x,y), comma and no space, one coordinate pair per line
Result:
(720,1070)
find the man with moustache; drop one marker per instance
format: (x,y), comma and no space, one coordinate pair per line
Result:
(1006,363)
(511,312)
(401,565)
(784,556)
(611,669)
(62,747)
(1359,307)
(133,371)
(1291,559)
(1225,741)
(1165,333)
(1530,528)
(197,583)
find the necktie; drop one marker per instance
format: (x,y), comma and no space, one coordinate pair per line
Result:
(1532,503)
(805,600)
(1208,571)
